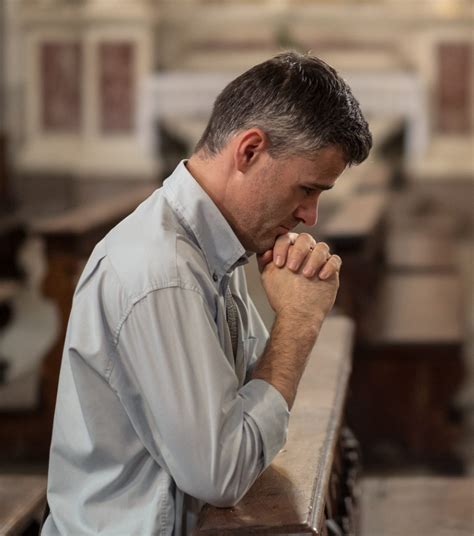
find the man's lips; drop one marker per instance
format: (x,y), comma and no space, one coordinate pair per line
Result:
(282,230)
(287,228)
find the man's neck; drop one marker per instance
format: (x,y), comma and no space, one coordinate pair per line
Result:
(212,174)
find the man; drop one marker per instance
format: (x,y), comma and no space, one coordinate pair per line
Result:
(171,393)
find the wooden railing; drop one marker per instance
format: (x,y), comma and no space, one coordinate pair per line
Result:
(309,484)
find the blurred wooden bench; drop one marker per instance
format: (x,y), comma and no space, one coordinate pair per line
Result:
(408,364)
(356,232)
(412,506)
(69,238)
(400,283)
(309,486)
(22,501)
(413,250)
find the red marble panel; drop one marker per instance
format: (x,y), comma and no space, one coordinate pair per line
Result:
(60,72)
(454,90)
(117,86)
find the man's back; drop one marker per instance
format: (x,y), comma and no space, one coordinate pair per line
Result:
(131,389)
(159,400)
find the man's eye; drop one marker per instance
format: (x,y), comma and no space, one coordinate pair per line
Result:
(307,191)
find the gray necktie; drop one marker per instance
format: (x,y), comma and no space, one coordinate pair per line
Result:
(231,312)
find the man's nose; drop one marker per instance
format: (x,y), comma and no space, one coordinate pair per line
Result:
(307,212)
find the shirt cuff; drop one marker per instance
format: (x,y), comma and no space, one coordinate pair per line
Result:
(269,410)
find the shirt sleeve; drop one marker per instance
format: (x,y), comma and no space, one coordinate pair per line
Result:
(254,323)
(261,334)
(182,396)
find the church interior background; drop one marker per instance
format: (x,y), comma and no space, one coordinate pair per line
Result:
(99,99)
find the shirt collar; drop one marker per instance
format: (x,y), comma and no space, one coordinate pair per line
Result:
(202,218)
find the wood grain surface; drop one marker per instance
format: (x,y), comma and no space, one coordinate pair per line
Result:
(86,217)
(22,499)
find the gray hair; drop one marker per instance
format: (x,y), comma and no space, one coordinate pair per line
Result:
(299,101)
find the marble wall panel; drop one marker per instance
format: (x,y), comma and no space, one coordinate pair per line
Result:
(60,73)
(454,95)
(117,87)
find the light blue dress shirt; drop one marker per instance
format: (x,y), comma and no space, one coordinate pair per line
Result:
(154,416)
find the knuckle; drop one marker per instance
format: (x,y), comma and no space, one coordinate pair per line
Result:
(297,252)
(322,249)
(321,254)
(307,239)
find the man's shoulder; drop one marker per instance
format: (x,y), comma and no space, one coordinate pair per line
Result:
(151,249)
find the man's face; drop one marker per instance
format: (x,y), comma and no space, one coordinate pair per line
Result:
(280,194)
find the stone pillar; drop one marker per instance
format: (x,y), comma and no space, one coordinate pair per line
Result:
(10,90)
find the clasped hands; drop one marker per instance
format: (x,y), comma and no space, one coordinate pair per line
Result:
(300,277)
(300,253)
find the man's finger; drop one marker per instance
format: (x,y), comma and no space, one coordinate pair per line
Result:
(281,247)
(319,255)
(332,266)
(264,259)
(300,251)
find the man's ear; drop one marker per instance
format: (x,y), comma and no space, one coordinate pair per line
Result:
(249,146)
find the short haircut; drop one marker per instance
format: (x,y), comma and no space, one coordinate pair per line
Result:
(299,101)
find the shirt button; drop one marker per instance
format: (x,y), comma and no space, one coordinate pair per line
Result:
(214,276)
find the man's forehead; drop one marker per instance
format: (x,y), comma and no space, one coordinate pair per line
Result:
(323,169)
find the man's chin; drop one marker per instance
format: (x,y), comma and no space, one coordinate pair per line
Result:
(265,245)
(260,244)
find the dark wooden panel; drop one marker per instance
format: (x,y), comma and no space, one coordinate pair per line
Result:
(400,400)
(408,366)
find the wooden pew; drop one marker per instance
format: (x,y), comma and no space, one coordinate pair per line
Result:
(393,281)
(408,365)
(70,238)
(423,234)
(414,250)
(405,506)
(356,232)
(22,501)
(6,201)
(309,486)
(12,234)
